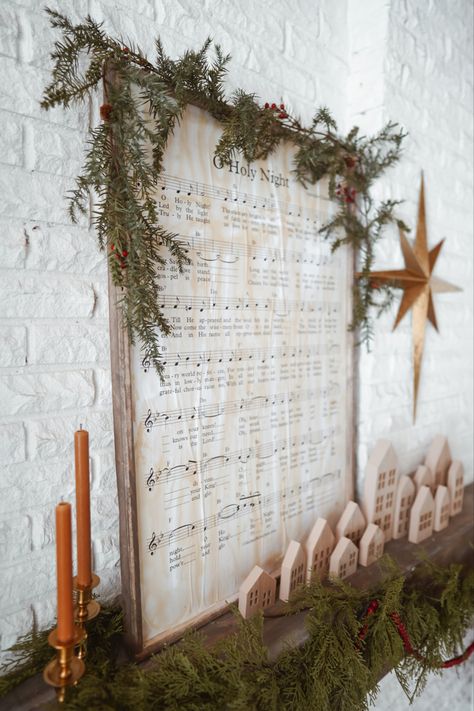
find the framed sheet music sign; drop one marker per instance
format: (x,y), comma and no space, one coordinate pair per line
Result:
(249,438)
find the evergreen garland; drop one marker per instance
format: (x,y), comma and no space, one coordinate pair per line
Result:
(122,174)
(336,669)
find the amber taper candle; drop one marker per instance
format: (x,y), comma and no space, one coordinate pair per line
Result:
(83,507)
(64,573)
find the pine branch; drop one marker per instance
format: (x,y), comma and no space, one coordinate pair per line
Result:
(140,114)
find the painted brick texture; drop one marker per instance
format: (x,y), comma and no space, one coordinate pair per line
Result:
(368,62)
(54,344)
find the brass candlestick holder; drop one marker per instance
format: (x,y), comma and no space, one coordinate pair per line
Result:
(85,609)
(66,668)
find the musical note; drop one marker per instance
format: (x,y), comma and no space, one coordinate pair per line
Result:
(258,355)
(181,531)
(170,182)
(227,303)
(156,419)
(232,511)
(263,451)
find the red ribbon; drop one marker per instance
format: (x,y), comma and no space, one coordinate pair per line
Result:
(405,637)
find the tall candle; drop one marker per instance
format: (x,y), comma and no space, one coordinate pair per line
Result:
(65,630)
(83,510)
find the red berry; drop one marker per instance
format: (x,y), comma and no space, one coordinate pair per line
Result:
(267,105)
(105,111)
(112,247)
(124,253)
(282,115)
(125,49)
(274,106)
(282,106)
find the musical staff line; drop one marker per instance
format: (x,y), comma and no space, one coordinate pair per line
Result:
(198,469)
(231,512)
(156,419)
(257,355)
(211,250)
(279,307)
(232,196)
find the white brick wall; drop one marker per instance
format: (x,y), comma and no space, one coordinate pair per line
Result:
(423,81)
(368,61)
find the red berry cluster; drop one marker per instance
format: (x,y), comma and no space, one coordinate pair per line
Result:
(120,256)
(372,608)
(281,109)
(348,195)
(105,111)
(405,637)
(136,58)
(351,161)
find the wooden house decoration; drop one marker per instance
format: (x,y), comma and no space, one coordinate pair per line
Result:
(381,474)
(403,503)
(257,592)
(352,523)
(293,569)
(438,459)
(424,477)
(319,546)
(371,544)
(421,516)
(442,507)
(456,486)
(343,560)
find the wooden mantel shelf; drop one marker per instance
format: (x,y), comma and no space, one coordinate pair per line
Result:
(453,545)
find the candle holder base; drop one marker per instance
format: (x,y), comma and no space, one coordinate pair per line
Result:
(85,609)
(66,668)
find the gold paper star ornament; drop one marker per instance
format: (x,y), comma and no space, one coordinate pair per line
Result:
(418,285)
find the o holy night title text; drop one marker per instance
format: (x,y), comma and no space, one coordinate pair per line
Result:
(247,171)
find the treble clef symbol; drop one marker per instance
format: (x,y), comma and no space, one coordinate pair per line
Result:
(146,363)
(151,481)
(148,421)
(153,545)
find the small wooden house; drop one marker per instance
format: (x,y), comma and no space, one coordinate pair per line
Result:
(256,592)
(424,477)
(351,524)
(343,559)
(438,459)
(381,475)
(441,508)
(403,503)
(293,569)
(421,516)
(371,545)
(319,546)
(456,486)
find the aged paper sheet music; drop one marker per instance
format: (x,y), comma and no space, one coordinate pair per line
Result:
(249,437)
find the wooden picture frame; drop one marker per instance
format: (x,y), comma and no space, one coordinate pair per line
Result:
(124,409)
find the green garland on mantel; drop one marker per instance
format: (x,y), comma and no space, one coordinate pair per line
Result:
(336,669)
(120,174)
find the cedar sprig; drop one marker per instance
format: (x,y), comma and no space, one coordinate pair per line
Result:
(332,669)
(124,159)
